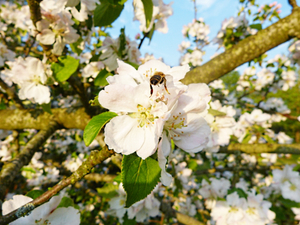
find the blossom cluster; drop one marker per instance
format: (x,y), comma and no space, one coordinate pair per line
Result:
(161,12)
(150,116)
(239,210)
(31,75)
(237,24)
(141,210)
(110,52)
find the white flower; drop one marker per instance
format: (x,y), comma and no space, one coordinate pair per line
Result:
(217,189)
(141,210)
(44,214)
(86,7)
(56,29)
(257,211)
(290,189)
(142,118)
(160,13)
(92,69)
(110,52)
(184,45)
(289,79)
(30,75)
(283,138)
(264,77)
(230,211)
(172,111)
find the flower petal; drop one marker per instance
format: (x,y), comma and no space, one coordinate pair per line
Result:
(124,135)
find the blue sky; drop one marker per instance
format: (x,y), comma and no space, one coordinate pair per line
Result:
(213,12)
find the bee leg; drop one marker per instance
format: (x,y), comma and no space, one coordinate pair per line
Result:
(165,84)
(151,90)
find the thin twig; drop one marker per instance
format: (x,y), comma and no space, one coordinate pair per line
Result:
(11,169)
(95,158)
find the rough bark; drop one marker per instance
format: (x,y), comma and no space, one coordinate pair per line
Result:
(247,49)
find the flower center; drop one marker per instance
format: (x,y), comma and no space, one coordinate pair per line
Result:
(177,122)
(143,115)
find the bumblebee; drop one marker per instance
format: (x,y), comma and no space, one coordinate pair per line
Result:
(156,79)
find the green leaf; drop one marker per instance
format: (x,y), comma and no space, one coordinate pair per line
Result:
(66,66)
(289,203)
(95,125)
(100,80)
(139,177)
(148,9)
(47,108)
(34,193)
(256,26)
(216,112)
(151,32)
(106,13)
(122,41)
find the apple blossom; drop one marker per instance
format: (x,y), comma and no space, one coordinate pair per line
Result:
(160,13)
(56,29)
(110,52)
(198,30)
(143,119)
(141,210)
(30,75)
(92,69)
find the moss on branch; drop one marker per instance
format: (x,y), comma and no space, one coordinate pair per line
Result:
(262,148)
(247,49)
(38,119)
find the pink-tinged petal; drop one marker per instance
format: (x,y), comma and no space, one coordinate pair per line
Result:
(124,135)
(163,151)
(194,137)
(118,98)
(125,69)
(46,37)
(150,67)
(46,209)
(178,72)
(150,141)
(65,216)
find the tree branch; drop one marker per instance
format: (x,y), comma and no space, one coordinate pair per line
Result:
(11,169)
(293,3)
(77,85)
(35,11)
(95,158)
(262,148)
(38,119)
(247,49)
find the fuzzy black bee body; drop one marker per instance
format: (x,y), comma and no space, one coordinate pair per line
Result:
(156,79)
